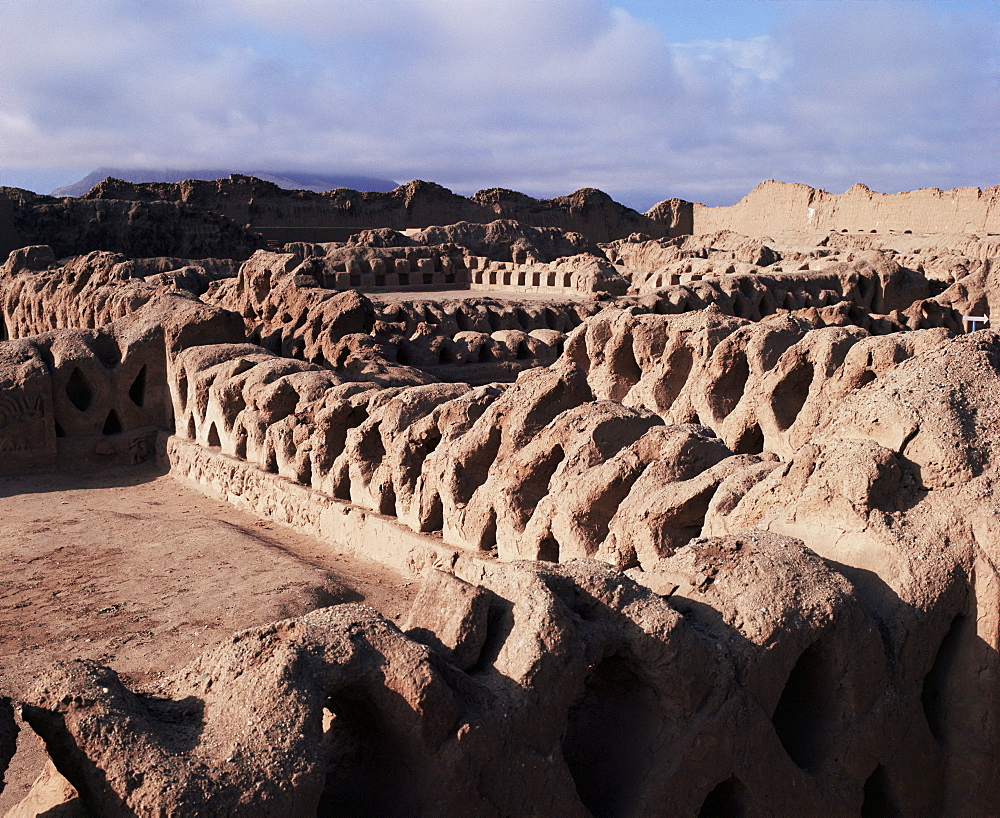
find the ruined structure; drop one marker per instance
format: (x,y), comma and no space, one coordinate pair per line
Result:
(299,215)
(712,532)
(775,207)
(154,228)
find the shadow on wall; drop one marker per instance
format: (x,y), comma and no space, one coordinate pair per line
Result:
(920,736)
(10,240)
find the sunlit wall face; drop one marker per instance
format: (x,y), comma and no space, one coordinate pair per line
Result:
(700,99)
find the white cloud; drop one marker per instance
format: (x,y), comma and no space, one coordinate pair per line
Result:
(540,95)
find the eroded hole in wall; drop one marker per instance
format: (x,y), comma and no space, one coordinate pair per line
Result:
(342,486)
(625,368)
(597,517)
(59,430)
(790,395)
(368,771)
(609,736)
(270,461)
(767,304)
(750,442)
(866,289)
(78,390)
(499,624)
(213,436)
(805,715)
(866,378)
(137,391)
(4,335)
(421,449)
(182,390)
(304,475)
(192,432)
(472,471)
(241,442)
(387,501)
(112,424)
(879,801)
(488,540)
(548,549)
(535,484)
(666,390)
(433,518)
(370,447)
(357,416)
(727,800)
(731,384)
(106,349)
(935,693)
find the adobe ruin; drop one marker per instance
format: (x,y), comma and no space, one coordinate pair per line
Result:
(704,524)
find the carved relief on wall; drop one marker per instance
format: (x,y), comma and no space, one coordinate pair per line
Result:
(22,423)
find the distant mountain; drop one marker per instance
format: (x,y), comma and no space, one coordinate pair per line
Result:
(288,180)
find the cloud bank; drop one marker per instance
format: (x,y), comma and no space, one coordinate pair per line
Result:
(544,97)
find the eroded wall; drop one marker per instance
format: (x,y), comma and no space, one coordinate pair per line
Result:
(774,207)
(759,555)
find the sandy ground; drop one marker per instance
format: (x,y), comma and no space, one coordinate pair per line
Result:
(141,572)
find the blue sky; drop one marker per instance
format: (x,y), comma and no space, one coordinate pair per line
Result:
(700,99)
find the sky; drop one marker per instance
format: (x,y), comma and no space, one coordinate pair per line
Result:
(644,99)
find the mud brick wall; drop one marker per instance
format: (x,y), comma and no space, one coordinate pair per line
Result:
(81,399)
(615,452)
(838,617)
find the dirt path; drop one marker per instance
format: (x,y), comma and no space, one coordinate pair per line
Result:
(138,571)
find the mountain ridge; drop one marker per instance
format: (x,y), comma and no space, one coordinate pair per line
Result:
(287,180)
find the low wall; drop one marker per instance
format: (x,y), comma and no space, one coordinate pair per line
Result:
(359,272)
(360,531)
(81,399)
(538,279)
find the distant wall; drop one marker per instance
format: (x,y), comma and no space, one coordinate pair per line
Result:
(257,203)
(9,238)
(136,228)
(775,207)
(286,235)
